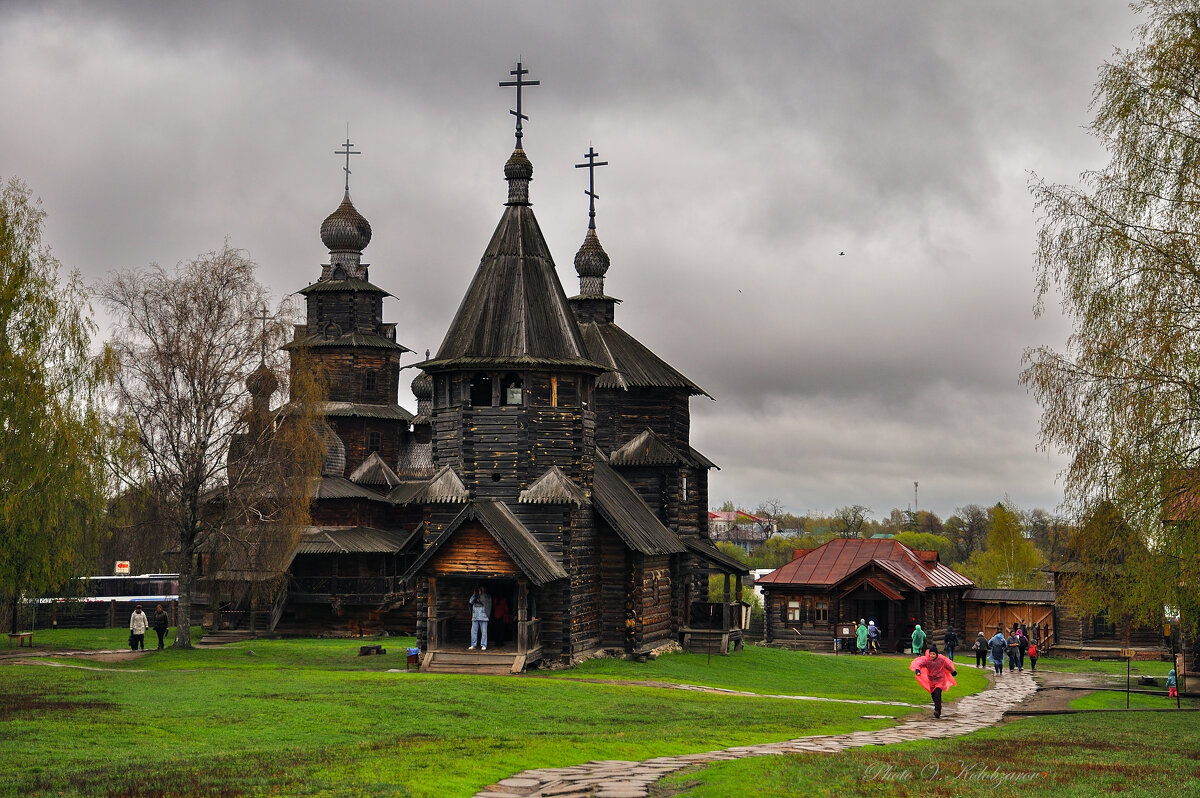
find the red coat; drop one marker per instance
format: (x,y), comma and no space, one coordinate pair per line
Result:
(933,672)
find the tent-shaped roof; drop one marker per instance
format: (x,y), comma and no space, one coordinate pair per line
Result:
(621,506)
(830,564)
(515,311)
(517,541)
(553,487)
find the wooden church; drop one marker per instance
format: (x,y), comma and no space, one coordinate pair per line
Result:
(549,460)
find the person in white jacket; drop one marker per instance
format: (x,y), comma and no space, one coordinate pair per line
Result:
(138,624)
(481,610)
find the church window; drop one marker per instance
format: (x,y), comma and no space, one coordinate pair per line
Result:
(481,390)
(793,611)
(822,612)
(374,441)
(339,273)
(511,389)
(332,331)
(369,380)
(685,487)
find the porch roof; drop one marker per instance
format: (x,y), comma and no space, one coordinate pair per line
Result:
(714,555)
(353,540)
(517,541)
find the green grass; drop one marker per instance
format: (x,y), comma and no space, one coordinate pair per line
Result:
(759,669)
(96,639)
(1109,700)
(309,717)
(1067,756)
(1138,667)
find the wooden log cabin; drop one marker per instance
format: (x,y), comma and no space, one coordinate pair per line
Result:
(549,460)
(1077,634)
(846,580)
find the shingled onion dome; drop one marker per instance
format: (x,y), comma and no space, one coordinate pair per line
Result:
(422,389)
(346,230)
(518,171)
(591,264)
(262,382)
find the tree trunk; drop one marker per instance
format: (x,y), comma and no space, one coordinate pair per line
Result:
(187,583)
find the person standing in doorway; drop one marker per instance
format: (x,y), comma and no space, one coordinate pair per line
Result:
(161,622)
(951,642)
(481,610)
(918,641)
(138,624)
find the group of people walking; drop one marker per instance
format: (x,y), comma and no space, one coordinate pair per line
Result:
(867,637)
(1016,646)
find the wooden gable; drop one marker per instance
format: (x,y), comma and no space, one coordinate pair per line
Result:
(472,551)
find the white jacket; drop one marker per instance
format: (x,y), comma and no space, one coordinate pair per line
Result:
(138,623)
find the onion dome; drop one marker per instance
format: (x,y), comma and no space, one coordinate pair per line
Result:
(422,387)
(334,464)
(518,171)
(262,381)
(346,229)
(591,264)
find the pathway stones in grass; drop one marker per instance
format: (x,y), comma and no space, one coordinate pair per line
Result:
(617,779)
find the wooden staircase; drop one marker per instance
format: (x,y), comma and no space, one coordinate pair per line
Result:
(460,661)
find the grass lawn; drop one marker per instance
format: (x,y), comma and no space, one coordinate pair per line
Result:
(759,669)
(309,717)
(1139,667)
(1109,700)
(1067,755)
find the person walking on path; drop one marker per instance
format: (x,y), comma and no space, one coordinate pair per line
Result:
(951,642)
(1172,686)
(161,623)
(872,637)
(935,674)
(980,647)
(481,610)
(1014,651)
(1033,655)
(998,646)
(138,624)
(1022,647)
(862,636)
(918,640)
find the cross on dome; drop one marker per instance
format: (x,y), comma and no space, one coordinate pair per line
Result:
(348,152)
(591,165)
(519,83)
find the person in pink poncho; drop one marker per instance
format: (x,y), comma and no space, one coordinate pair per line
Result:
(935,673)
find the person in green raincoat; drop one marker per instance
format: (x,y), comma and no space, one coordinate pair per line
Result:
(862,636)
(918,641)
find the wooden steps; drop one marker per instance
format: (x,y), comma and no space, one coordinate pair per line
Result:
(224,636)
(459,661)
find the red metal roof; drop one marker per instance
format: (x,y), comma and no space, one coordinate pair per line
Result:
(829,564)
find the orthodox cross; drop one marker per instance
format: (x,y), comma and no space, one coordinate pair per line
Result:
(264,317)
(591,165)
(347,152)
(519,72)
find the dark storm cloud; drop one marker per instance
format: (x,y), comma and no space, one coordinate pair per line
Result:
(749,144)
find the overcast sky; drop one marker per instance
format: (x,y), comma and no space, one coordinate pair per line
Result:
(750,144)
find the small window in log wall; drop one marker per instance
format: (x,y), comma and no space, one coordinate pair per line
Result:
(374,440)
(822,615)
(793,611)
(511,390)
(369,380)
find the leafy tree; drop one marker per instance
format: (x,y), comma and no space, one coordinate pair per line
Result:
(54,442)
(727,506)
(1123,251)
(227,475)
(925,541)
(1050,533)
(1010,560)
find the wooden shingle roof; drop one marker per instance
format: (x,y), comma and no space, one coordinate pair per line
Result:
(553,487)
(356,539)
(515,311)
(621,506)
(629,363)
(374,471)
(517,542)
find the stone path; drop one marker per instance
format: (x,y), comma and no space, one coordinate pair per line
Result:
(618,779)
(696,688)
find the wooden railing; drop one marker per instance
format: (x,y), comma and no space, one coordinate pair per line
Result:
(529,634)
(439,631)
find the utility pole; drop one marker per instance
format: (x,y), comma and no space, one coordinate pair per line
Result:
(916,504)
